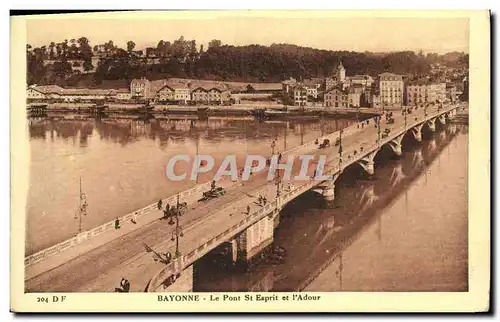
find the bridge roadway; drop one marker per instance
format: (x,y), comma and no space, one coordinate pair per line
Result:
(101,269)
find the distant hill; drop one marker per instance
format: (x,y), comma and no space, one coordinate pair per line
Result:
(252,63)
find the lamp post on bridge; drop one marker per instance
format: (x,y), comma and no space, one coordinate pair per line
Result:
(82,208)
(177,233)
(278,183)
(273,145)
(340,149)
(377,125)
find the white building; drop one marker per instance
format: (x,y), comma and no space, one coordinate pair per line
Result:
(391,89)
(300,96)
(182,94)
(35,92)
(425,92)
(123,94)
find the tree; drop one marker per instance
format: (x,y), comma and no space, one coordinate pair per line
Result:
(192,48)
(52,53)
(35,68)
(44,52)
(59,50)
(214,43)
(65,48)
(130,45)
(109,46)
(87,65)
(84,50)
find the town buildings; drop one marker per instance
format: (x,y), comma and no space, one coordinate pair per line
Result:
(336,91)
(425,92)
(354,94)
(288,85)
(391,89)
(172,91)
(123,94)
(54,92)
(451,93)
(300,95)
(336,97)
(140,88)
(338,78)
(362,80)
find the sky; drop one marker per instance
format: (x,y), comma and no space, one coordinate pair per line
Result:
(365,33)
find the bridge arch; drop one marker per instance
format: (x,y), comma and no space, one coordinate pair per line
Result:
(413,134)
(430,125)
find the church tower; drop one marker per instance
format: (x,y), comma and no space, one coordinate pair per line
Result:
(340,72)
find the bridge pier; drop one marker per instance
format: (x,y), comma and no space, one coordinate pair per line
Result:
(395,145)
(417,132)
(327,189)
(442,136)
(431,147)
(182,282)
(451,129)
(368,197)
(254,240)
(367,163)
(396,175)
(432,125)
(234,250)
(417,159)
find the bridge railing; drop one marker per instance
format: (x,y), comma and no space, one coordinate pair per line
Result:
(345,131)
(86,235)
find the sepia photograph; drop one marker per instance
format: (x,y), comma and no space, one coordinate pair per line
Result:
(236,156)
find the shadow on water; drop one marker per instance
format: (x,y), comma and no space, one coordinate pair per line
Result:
(313,235)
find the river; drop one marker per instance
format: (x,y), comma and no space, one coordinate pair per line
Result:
(121,163)
(405,229)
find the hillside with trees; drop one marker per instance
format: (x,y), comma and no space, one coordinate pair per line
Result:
(182,58)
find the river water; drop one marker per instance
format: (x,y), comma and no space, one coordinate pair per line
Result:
(121,164)
(404,229)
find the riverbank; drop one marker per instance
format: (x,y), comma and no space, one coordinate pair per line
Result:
(201,111)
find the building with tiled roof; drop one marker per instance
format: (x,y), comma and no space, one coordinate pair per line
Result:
(140,88)
(363,80)
(288,85)
(336,97)
(68,94)
(47,89)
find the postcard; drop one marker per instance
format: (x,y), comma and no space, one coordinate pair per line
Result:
(250,161)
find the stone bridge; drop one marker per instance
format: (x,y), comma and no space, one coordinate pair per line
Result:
(249,233)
